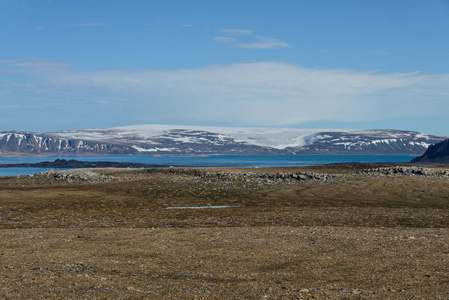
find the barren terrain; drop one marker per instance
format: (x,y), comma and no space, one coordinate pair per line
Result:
(334,232)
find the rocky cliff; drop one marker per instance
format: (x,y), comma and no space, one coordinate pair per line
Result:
(32,143)
(437,153)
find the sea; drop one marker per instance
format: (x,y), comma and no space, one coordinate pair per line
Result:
(227,161)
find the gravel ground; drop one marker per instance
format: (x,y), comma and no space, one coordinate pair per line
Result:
(225,263)
(344,232)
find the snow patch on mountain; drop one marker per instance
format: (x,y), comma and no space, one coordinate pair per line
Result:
(278,138)
(156,149)
(200,140)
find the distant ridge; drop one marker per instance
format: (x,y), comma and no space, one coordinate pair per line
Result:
(437,153)
(200,140)
(62,163)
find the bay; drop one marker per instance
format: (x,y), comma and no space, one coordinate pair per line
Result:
(230,161)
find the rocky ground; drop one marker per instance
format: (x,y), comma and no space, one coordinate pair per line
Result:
(353,231)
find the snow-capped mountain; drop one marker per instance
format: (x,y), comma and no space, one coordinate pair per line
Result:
(199,140)
(278,138)
(17,142)
(369,142)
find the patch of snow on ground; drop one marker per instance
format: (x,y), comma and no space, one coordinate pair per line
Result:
(201,207)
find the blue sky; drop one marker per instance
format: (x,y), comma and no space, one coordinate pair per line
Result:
(68,64)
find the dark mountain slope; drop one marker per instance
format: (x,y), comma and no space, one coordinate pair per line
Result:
(437,153)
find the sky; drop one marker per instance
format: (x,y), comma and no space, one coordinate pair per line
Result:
(345,64)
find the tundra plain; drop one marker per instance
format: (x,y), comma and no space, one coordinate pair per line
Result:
(334,233)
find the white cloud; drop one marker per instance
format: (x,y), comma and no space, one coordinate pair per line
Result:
(249,40)
(256,94)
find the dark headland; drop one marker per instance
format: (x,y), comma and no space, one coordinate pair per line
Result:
(437,153)
(62,163)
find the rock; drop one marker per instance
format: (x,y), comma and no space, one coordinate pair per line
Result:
(302,177)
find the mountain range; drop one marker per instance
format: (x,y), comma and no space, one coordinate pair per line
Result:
(199,140)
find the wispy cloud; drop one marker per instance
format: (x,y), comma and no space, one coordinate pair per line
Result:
(224,39)
(248,39)
(264,43)
(31,28)
(84,25)
(236,31)
(256,94)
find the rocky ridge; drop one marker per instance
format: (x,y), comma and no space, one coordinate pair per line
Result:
(408,171)
(251,179)
(94,176)
(76,175)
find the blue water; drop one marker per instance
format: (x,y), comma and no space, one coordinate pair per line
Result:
(249,161)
